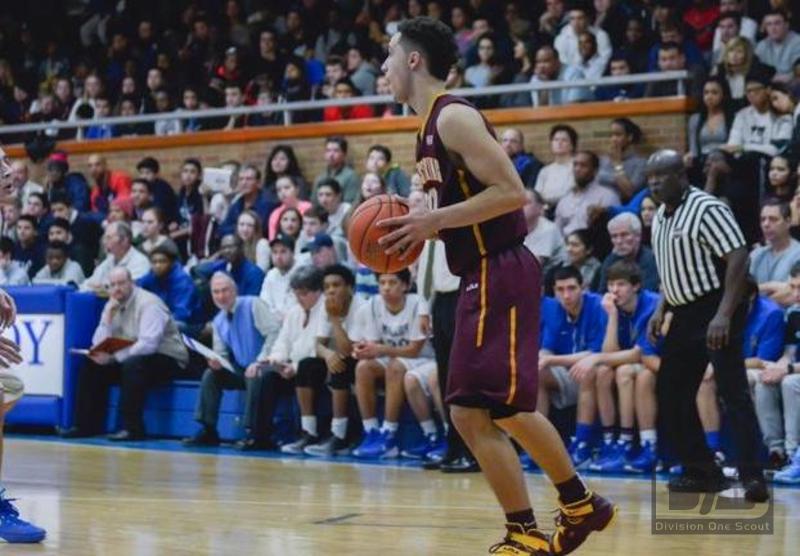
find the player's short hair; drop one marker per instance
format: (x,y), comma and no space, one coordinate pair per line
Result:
(342,271)
(434,40)
(307,278)
(568,273)
(403,275)
(625,270)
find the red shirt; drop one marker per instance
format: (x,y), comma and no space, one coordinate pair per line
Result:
(702,21)
(117,185)
(357,112)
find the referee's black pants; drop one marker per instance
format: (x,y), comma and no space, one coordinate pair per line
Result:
(443,313)
(684,360)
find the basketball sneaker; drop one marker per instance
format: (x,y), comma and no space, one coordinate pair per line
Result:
(331,446)
(791,473)
(519,542)
(378,445)
(645,462)
(12,528)
(298,446)
(581,455)
(420,451)
(613,458)
(576,521)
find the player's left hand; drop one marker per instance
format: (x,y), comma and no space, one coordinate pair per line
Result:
(717,334)
(8,310)
(253,370)
(409,230)
(9,353)
(582,368)
(366,350)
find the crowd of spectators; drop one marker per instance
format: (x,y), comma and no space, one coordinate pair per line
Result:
(129,58)
(269,252)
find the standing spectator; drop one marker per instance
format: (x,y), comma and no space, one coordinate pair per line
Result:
(60,269)
(107,184)
(526,164)
(572,211)
(622,169)
(625,231)
(252,197)
(12,273)
(781,47)
(172,284)
(338,169)
(548,68)
(379,161)
(163,194)
(544,239)
(118,244)
(557,179)
(567,41)
(60,180)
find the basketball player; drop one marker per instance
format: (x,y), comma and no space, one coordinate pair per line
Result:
(12,528)
(475,205)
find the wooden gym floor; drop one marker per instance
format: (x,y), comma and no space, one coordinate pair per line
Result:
(94,498)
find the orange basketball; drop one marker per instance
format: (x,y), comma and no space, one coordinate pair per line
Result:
(363,234)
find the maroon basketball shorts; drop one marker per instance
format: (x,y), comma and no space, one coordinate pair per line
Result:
(494,359)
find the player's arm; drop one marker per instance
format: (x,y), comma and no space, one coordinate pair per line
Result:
(409,351)
(464,134)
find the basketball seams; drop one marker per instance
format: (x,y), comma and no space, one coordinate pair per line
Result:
(363,224)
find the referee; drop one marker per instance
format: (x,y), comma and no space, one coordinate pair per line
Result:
(701,257)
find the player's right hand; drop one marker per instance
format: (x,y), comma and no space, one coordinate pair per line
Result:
(334,362)
(9,353)
(8,310)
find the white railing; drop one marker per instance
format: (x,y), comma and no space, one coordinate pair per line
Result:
(287,108)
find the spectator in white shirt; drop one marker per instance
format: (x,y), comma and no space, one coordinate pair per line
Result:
(275,291)
(754,125)
(12,273)
(117,241)
(556,179)
(329,197)
(567,42)
(544,239)
(548,68)
(747,27)
(60,269)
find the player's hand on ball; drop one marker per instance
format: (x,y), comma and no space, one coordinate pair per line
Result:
(8,310)
(9,353)
(409,230)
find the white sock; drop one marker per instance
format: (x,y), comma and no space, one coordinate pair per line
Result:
(370,424)
(309,424)
(339,427)
(648,435)
(390,426)
(624,438)
(428,427)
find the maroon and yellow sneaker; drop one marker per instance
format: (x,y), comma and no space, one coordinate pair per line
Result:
(521,542)
(577,520)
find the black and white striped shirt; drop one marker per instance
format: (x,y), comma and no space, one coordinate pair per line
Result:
(690,243)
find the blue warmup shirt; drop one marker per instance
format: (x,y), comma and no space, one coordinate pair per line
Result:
(563,336)
(764,331)
(632,328)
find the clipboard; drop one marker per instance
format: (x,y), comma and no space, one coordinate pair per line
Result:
(109,345)
(203,350)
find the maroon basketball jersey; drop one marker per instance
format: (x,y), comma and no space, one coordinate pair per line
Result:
(446,184)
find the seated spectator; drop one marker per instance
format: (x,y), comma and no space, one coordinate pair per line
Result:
(256,248)
(323,252)
(619,66)
(577,254)
(746,27)
(276,291)
(710,126)
(700,17)
(106,184)
(778,397)
(334,366)
(20,178)
(329,197)
(647,211)
(732,180)
(574,329)
(771,263)
(102,109)
(12,273)
(781,180)
(252,197)
(548,68)
(29,248)
(335,69)
(172,284)
(289,196)
(524,52)
(544,239)
(754,126)
(344,88)
(163,194)
(141,199)
(557,179)
(591,63)
(390,109)
(291,223)
(737,62)
(247,275)
(118,244)
(241,335)
(157,354)
(672,31)
(572,211)
(527,165)
(234,98)
(388,344)
(282,161)
(163,104)
(671,57)
(553,18)
(785,105)
(379,161)
(38,208)
(190,203)
(567,42)
(622,169)
(489,69)
(781,46)
(625,231)
(152,232)
(296,87)
(338,169)
(82,233)
(729,27)
(362,73)
(636,47)
(315,221)
(60,269)
(61,181)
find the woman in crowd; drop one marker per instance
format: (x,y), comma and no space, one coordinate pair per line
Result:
(461,22)
(737,60)
(794,229)
(256,248)
(291,223)
(647,211)
(283,162)
(578,254)
(556,179)
(710,126)
(782,179)
(622,169)
(523,58)
(151,232)
(785,106)
(289,196)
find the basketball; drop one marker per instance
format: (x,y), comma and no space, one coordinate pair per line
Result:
(363,234)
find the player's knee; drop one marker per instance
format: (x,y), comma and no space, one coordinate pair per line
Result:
(411,383)
(605,376)
(624,375)
(395,371)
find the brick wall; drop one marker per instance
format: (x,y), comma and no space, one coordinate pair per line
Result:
(660,130)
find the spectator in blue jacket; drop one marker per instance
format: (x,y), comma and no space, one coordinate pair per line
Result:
(253,197)
(60,181)
(170,282)
(247,275)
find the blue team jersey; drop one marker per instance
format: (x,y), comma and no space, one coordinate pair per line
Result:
(547,309)
(632,328)
(764,331)
(563,336)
